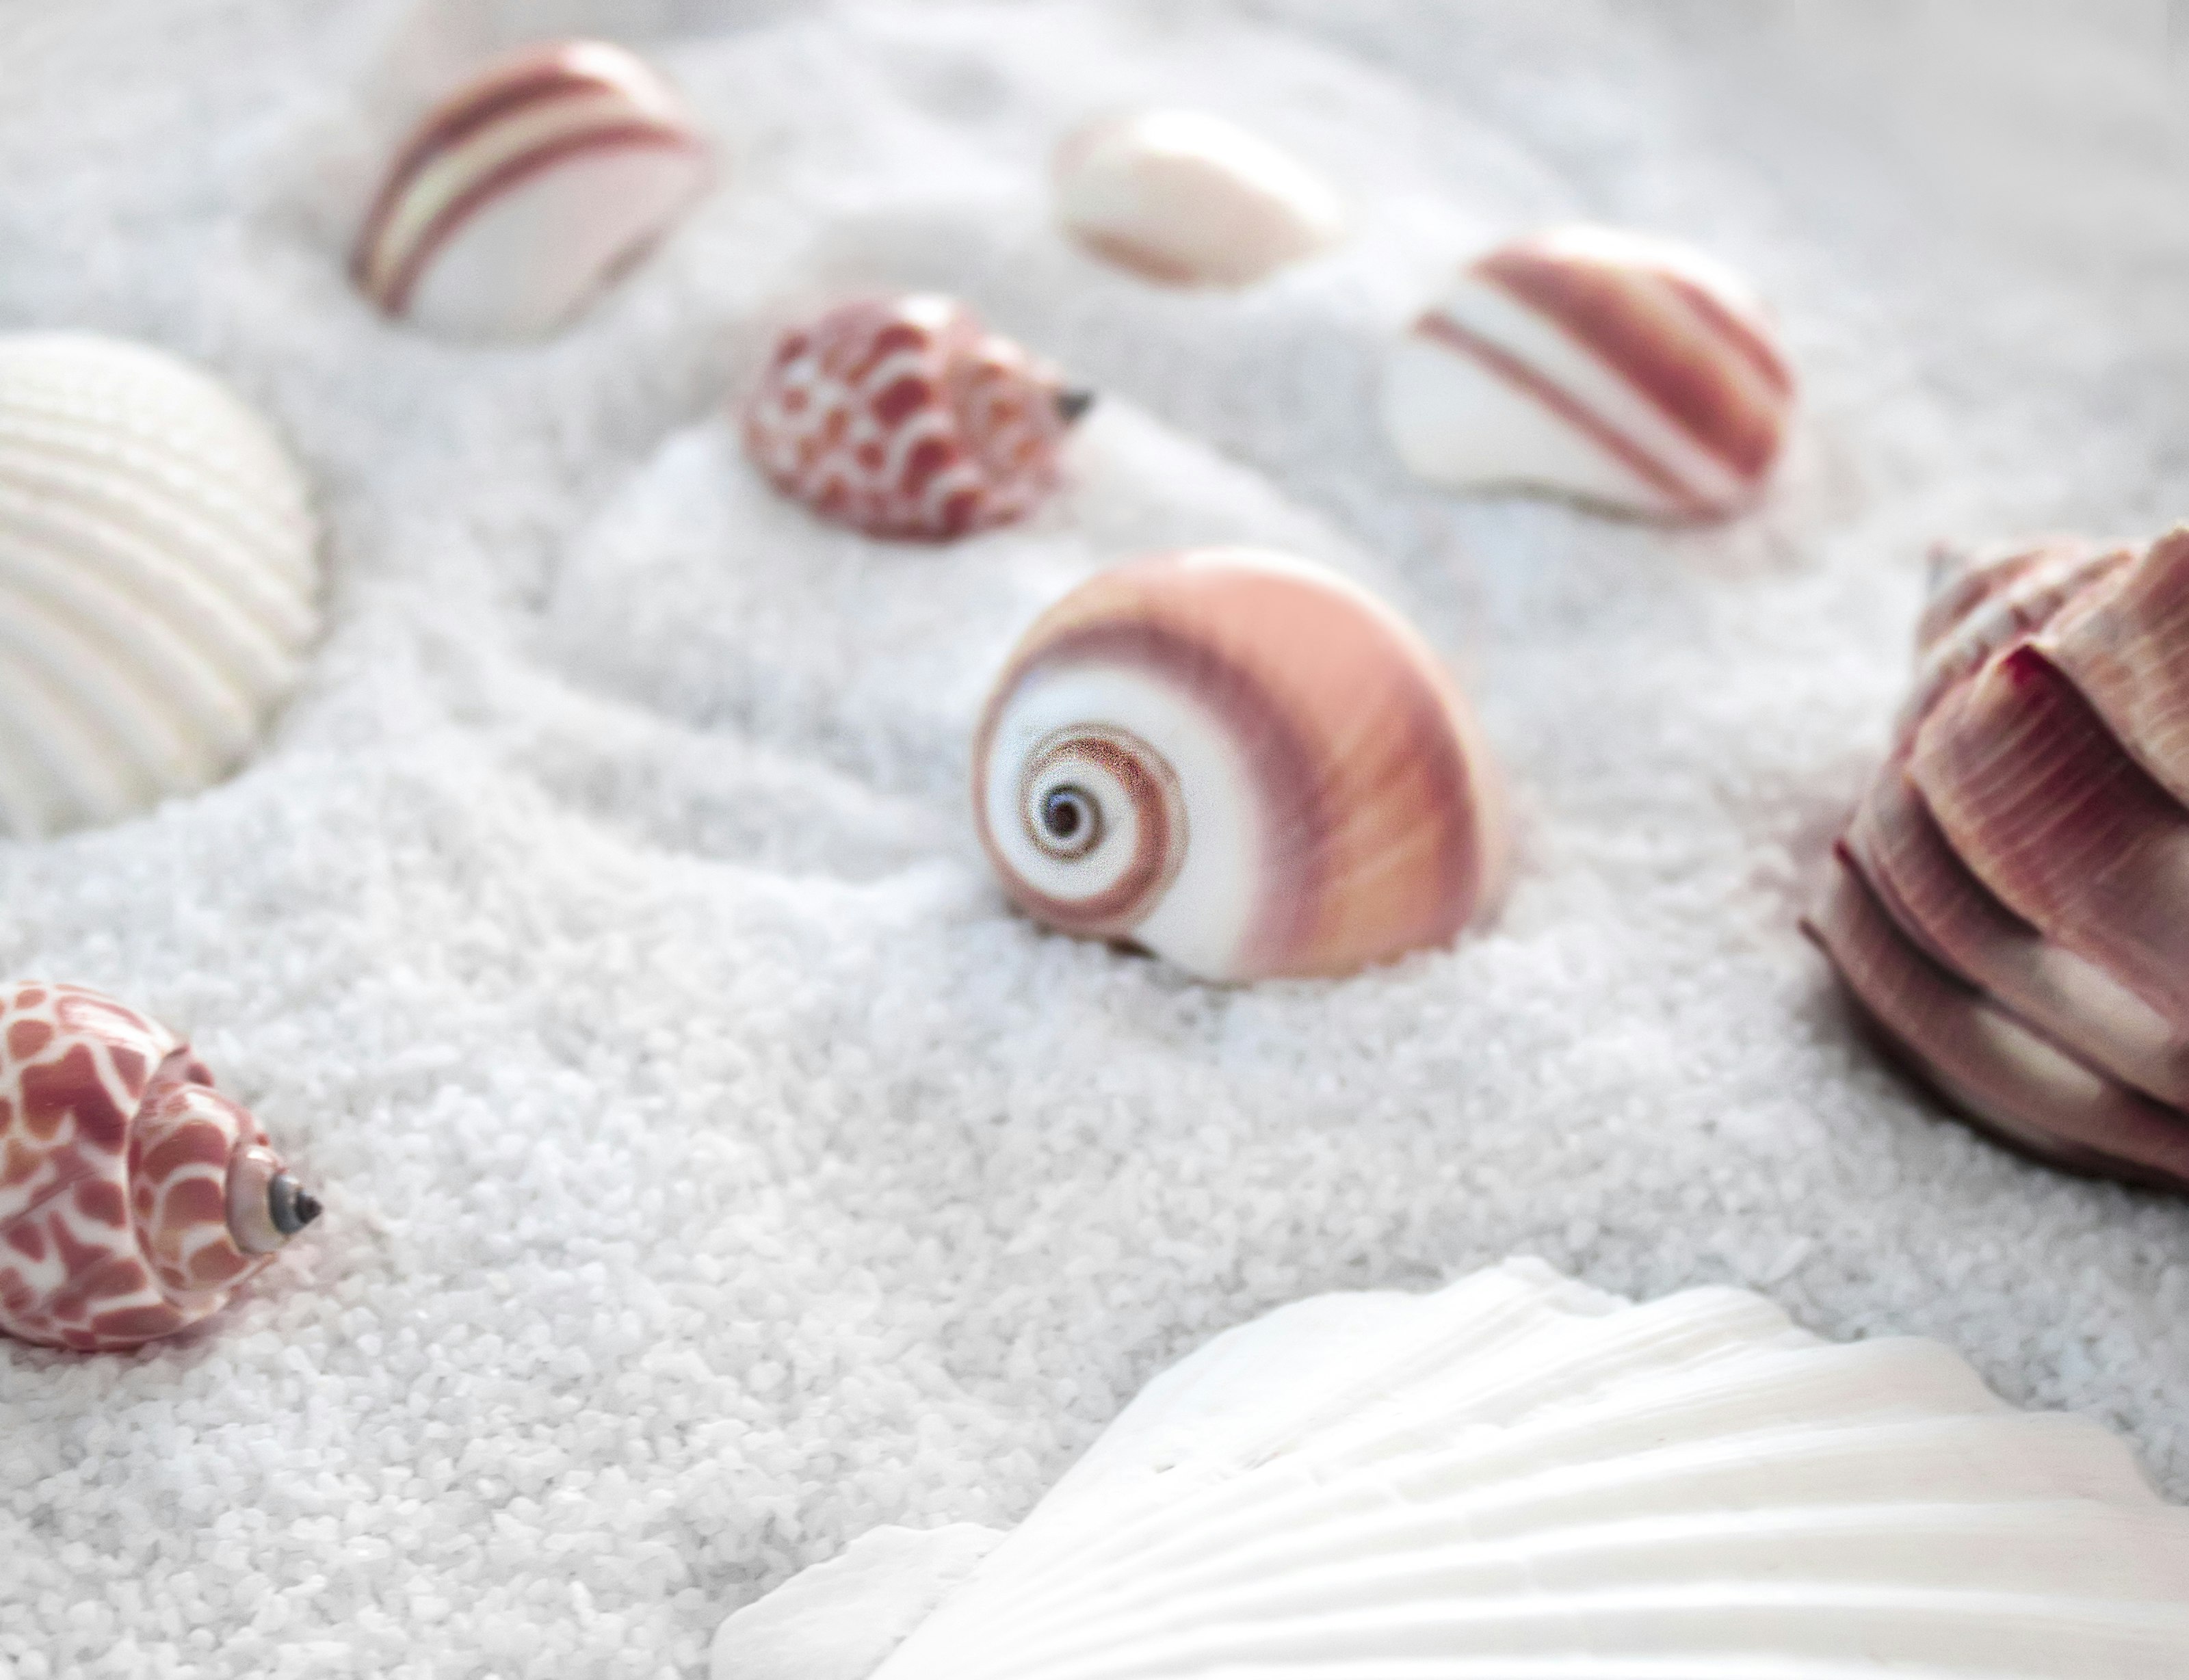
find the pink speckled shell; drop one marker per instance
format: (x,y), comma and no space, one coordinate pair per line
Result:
(115,1152)
(904,417)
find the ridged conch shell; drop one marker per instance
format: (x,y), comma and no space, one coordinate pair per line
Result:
(134,1196)
(905,417)
(2011,902)
(158,577)
(1518,1478)
(1188,199)
(528,190)
(1241,761)
(1618,369)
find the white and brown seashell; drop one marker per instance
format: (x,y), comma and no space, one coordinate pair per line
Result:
(158,577)
(528,190)
(134,1198)
(1518,1478)
(1188,199)
(2010,902)
(905,417)
(1619,368)
(1243,762)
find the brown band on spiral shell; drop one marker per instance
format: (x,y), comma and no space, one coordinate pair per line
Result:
(1159,816)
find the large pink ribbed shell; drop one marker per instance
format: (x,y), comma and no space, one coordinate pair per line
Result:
(1619,368)
(2011,902)
(905,417)
(120,1167)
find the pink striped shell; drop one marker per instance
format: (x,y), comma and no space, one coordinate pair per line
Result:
(134,1196)
(1242,761)
(2011,902)
(1619,368)
(528,190)
(905,417)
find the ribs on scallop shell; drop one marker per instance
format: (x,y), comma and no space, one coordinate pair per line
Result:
(1518,1478)
(134,1198)
(1242,761)
(2010,904)
(159,576)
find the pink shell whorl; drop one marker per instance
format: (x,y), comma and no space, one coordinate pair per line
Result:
(134,1196)
(2011,902)
(905,417)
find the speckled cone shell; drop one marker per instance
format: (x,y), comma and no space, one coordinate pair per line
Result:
(1188,199)
(158,580)
(121,1174)
(2011,902)
(1243,762)
(528,190)
(905,417)
(1620,370)
(1518,1478)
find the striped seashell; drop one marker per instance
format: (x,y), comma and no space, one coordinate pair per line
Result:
(2011,902)
(1242,762)
(1619,368)
(528,190)
(158,571)
(1518,1478)
(1187,199)
(905,417)
(134,1198)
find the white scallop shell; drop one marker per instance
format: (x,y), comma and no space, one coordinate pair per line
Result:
(1189,199)
(529,190)
(1520,1478)
(158,576)
(1619,368)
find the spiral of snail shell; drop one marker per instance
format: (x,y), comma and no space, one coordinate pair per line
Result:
(134,1198)
(1241,761)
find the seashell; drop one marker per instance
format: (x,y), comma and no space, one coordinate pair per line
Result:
(2011,902)
(1619,368)
(135,1198)
(905,417)
(528,190)
(158,571)
(1241,761)
(1519,1476)
(1188,199)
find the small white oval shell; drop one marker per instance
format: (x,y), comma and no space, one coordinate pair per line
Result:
(1520,1476)
(158,577)
(525,193)
(1619,369)
(1189,199)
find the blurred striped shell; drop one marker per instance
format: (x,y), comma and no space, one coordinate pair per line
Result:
(2010,902)
(1519,1477)
(1186,198)
(1242,762)
(134,1196)
(158,572)
(905,417)
(1618,369)
(529,189)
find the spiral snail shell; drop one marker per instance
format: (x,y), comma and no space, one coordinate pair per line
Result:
(1241,761)
(905,417)
(1622,369)
(134,1196)
(2010,902)
(528,190)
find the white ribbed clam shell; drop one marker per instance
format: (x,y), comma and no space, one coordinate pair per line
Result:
(1187,198)
(158,575)
(1520,1478)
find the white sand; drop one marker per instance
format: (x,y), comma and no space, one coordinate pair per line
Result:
(714,1169)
